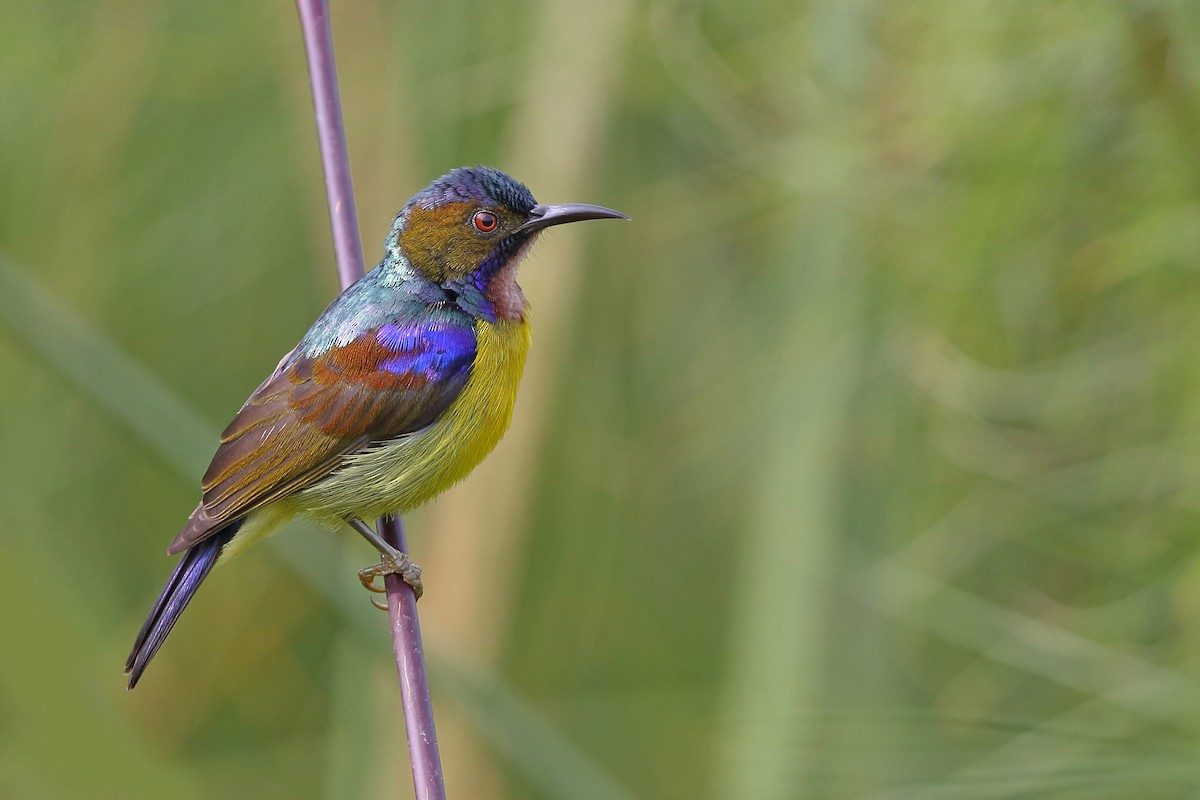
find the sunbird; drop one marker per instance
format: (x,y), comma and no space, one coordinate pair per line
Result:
(397,391)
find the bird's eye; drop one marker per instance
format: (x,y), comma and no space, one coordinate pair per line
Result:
(485,221)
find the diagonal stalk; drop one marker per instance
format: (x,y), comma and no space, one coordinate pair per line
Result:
(402,603)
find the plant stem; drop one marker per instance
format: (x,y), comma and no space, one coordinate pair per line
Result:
(402,603)
(331,136)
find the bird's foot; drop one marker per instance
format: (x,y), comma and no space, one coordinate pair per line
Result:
(398,564)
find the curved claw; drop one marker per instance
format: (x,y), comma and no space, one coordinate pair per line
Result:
(389,565)
(379,605)
(367,579)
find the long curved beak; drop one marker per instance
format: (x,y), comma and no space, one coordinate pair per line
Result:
(544,216)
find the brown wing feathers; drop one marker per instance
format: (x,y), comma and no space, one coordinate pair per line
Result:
(298,425)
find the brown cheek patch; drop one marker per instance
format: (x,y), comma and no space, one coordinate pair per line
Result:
(432,236)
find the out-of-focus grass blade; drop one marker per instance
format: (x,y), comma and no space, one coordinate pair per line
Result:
(78,743)
(528,742)
(780,596)
(117,383)
(353,723)
(104,372)
(1075,749)
(781,592)
(1040,648)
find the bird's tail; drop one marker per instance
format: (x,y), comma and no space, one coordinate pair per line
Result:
(191,571)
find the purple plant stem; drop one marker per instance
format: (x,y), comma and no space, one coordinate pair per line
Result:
(414,681)
(402,603)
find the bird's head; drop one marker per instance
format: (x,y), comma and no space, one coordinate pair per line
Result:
(469,230)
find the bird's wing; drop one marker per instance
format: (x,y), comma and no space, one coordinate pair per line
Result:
(295,429)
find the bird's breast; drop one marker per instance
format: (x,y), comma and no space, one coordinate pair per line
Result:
(395,476)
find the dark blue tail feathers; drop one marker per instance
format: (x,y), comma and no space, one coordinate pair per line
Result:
(191,571)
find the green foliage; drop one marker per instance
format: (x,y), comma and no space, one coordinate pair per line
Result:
(863,459)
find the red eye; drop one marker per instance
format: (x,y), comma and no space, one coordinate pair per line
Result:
(485,221)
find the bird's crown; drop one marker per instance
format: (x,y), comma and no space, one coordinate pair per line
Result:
(483,185)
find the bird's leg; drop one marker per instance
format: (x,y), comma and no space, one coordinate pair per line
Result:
(391,562)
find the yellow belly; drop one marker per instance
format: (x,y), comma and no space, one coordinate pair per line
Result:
(404,473)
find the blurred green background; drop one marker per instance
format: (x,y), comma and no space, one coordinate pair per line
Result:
(861,464)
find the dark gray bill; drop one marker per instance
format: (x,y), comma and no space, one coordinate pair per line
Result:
(541,216)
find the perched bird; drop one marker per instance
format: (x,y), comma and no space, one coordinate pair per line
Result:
(397,391)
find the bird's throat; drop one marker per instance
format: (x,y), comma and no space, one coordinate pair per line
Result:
(502,291)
